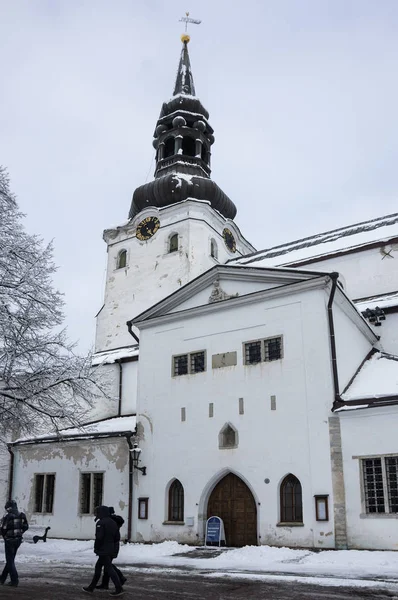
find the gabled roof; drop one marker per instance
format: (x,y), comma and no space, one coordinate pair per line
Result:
(280,278)
(387,302)
(316,247)
(108,357)
(374,384)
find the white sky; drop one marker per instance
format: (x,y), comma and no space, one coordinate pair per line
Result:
(302,95)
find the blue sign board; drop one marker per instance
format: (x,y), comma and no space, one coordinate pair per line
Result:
(214,531)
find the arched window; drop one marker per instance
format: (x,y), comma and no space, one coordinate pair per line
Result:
(213,249)
(228,437)
(122,259)
(204,154)
(173,243)
(291,500)
(188,146)
(169,147)
(176,501)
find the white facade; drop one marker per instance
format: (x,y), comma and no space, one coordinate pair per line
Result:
(152,272)
(180,440)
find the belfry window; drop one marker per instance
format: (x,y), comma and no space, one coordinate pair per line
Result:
(188,146)
(122,259)
(173,243)
(169,147)
(291,500)
(176,501)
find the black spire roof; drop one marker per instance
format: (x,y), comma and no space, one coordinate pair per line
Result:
(183,138)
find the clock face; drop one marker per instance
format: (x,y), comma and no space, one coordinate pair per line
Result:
(147,228)
(229,240)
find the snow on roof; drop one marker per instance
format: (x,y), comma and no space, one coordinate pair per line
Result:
(382,301)
(104,427)
(323,244)
(377,378)
(110,356)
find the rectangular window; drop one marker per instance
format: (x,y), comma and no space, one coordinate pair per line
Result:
(143,508)
(44,492)
(186,364)
(262,350)
(380,484)
(91,492)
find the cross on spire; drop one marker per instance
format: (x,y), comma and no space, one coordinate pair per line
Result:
(187,19)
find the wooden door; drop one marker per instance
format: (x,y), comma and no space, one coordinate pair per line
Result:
(233,502)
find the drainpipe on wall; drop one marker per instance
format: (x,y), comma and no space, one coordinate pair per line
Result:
(10,473)
(131,332)
(129,518)
(334,277)
(119,409)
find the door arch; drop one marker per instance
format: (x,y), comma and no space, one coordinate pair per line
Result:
(233,502)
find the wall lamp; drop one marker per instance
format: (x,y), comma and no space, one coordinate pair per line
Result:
(136,455)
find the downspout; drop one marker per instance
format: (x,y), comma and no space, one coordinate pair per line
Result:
(332,337)
(130,505)
(10,473)
(131,332)
(119,409)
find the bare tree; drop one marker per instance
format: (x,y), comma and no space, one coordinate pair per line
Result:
(43,383)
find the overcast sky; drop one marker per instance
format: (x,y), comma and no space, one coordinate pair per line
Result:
(302,96)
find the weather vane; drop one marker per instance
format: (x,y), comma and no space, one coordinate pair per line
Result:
(187,19)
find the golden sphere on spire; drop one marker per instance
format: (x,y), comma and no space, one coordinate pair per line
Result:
(185,38)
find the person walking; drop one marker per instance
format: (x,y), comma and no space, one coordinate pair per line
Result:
(105,578)
(106,547)
(13,526)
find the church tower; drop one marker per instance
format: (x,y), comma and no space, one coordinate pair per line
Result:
(180,224)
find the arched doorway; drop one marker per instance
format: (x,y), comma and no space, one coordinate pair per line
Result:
(233,502)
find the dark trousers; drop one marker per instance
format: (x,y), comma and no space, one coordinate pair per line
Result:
(10,547)
(106,562)
(105,578)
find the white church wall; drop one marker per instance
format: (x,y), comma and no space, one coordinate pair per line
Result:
(67,461)
(365,272)
(129,387)
(4,471)
(388,332)
(152,272)
(296,432)
(352,346)
(367,433)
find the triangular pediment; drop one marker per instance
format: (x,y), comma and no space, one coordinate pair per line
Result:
(225,284)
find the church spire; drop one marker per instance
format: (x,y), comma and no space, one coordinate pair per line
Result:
(183,138)
(184,80)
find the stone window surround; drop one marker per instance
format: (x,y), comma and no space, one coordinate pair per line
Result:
(189,365)
(376,515)
(263,341)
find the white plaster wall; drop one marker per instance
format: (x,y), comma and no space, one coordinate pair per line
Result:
(4,471)
(67,461)
(352,346)
(294,438)
(366,273)
(369,432)
(129,388)
(152,273)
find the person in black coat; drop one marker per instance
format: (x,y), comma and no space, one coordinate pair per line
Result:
(106,547)
(105,578)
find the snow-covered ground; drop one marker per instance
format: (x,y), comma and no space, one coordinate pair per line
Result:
(325,567)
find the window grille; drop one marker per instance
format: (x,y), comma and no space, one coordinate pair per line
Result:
(197,362)
(176,501)
(263,350)
(273,349)
(252,353)
(180,365)
(173,243)
(373,485)
(91,492)
(291,500)
(44,492)
(192,363)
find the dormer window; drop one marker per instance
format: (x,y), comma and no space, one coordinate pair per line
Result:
(213,249)
(173,243)
(122,259)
